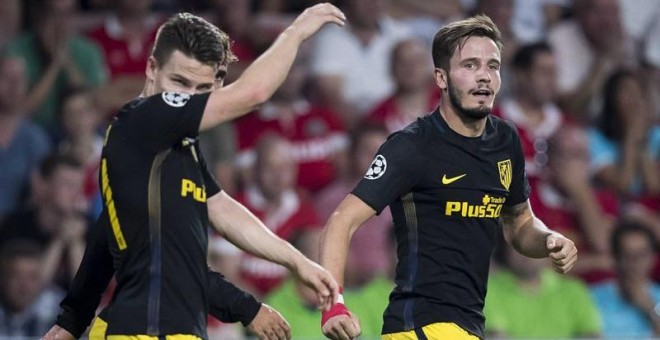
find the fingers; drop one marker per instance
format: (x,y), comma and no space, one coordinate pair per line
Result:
(270,325)
(563,253)
(342,327)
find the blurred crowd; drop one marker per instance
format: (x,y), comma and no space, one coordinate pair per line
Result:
(581,82)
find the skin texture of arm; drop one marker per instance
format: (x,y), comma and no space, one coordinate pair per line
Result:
(532,238)
(266,74)
(239,226)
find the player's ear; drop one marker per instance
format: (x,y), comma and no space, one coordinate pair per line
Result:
(440,78)
(152,66)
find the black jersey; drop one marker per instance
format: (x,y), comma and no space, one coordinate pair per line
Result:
(155,183)
(445,192)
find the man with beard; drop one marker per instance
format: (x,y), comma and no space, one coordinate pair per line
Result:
(450,179)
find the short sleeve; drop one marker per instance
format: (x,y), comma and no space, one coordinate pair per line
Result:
(392,173)
(211,184)
(162,120)
(519,190)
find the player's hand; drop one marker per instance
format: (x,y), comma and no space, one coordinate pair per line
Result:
(269,324)
(313,18)
(58,333)
(320,280)
(562,252)
(342,327)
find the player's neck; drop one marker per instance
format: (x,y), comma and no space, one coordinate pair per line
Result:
(464,126)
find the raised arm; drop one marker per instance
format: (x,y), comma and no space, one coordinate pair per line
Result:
(266,74)
(532,238)
(240,227)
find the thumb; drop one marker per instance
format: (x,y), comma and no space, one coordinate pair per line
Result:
(552,242)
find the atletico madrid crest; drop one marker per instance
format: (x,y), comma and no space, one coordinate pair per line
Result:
(504,167)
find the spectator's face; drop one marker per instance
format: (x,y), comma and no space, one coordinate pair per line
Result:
(600,20)
(637,257)
(291,88)
(569,145)
(64,189)
(540,81)
(79,115)
(412,67)
(13,85)
(631,102)
(500,11)
(276,170)
(182,74)
(474,77)
(365,13)
(23,282)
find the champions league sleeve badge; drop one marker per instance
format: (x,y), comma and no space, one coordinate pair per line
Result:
(175,99)
(377,168)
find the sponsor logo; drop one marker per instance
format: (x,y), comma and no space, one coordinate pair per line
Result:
(189,187)
(490,207)
(451,180)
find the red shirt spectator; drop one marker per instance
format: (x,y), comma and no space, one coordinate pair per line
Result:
(390,114)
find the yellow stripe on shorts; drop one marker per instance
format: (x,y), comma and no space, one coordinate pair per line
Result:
(100,327)
(110,205)
(434,331)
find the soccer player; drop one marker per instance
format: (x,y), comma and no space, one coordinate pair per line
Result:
(159,197)
(450,179)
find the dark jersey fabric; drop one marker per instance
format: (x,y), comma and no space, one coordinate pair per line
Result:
(445,192)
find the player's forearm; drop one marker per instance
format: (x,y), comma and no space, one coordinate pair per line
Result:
(240,227)
(335,241)
(530,239)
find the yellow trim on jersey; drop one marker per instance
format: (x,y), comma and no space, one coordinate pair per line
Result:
(438,330)
(110,205)
(100,327)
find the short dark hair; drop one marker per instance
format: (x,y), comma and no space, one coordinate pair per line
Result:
(524,58)
(194,37)
(624,228)
(50,164)
(19,248)
(454,35)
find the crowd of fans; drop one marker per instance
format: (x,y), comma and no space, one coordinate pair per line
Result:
(581,82)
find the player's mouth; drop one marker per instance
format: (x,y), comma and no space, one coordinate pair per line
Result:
(482,94)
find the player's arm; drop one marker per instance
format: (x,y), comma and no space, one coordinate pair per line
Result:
(531,237)
(239,226)
(266,74)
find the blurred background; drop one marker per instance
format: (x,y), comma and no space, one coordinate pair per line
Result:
(581,82)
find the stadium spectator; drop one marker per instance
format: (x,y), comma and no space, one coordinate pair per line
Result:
(625,146)
(528,299)
(318,138)
(22,144)
(565,199)
(57,220)
(11,20)
(28,303)
(415,93)
(351,67)
(423,17)
(56,58)
(125,37)
(629,304)
(589,48)
(80,118)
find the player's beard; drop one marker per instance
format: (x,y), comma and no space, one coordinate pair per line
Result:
(464,113)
